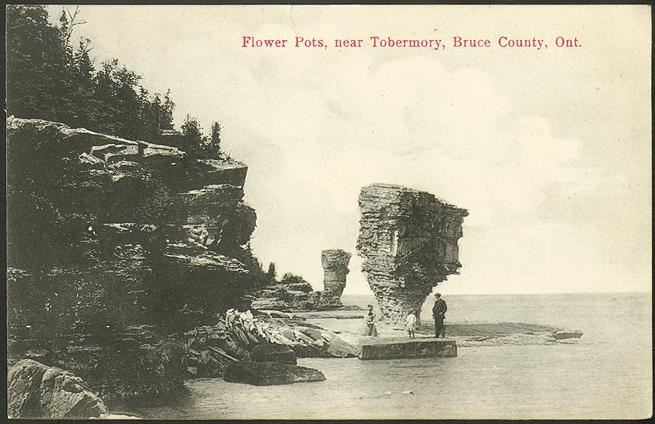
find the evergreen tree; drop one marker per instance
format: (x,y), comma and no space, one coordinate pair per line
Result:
(48,78)
(166,115)
(83,87)
(32,44)
(271,273)
(194,141)
(215,141)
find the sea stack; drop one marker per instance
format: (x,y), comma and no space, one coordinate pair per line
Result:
(408,240)
(335,268)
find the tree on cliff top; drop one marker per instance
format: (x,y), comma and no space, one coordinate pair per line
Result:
(215,141)
(271,273)
(195,144)
(49,77)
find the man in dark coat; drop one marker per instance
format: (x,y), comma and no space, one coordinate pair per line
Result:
(439,314)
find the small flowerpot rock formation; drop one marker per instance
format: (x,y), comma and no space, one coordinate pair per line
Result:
(408,240)
(335,266)
(38,391)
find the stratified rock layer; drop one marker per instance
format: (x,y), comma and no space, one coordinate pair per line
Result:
(408,240)
(37,391)
(335,268)
(106,236)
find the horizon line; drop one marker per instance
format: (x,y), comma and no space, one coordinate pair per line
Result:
(528,293)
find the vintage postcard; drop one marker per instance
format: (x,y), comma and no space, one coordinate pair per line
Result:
(329,211)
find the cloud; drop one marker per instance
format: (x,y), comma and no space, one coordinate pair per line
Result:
(319,129)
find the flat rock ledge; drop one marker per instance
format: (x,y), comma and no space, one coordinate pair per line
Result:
(270,352)
(397,348)
(35,390)
(270,373)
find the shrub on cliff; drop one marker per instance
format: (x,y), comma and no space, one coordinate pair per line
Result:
(296,281)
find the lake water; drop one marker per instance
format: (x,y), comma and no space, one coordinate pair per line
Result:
(605,374)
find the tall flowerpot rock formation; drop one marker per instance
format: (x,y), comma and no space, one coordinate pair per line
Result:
(408,240)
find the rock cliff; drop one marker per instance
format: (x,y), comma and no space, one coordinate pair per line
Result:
(113,244)
(408,240)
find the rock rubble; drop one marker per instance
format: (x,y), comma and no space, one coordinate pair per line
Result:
(238,336)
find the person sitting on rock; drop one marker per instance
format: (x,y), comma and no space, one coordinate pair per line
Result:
(410,323)
(370,323)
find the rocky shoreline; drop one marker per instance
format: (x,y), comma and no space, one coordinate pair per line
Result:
(130,271)
(261,350)
(211,349)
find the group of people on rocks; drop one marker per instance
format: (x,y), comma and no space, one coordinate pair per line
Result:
(438,314)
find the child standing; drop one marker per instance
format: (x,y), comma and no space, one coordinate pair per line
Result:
(410,323)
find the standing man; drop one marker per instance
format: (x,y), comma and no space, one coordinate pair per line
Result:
(439,314)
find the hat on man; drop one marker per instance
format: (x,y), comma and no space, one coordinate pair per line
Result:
(437,295)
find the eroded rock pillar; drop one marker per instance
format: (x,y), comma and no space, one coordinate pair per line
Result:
(335,269)
(408,240)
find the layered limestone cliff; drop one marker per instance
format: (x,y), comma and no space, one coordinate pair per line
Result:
(408,240)
(113,244)
(335,268)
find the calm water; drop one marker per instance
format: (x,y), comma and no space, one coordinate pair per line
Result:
(606,374)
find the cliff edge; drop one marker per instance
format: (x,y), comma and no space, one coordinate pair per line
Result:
(114,244)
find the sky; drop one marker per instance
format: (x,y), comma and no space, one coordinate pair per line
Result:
(549,150)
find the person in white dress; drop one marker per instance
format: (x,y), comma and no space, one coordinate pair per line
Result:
(410,324)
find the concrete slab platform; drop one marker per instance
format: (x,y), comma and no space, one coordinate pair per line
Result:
(397,348)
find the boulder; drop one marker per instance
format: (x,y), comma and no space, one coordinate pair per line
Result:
(270,373)
(314,333)
(339,348)
(35,390)
(270,352)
